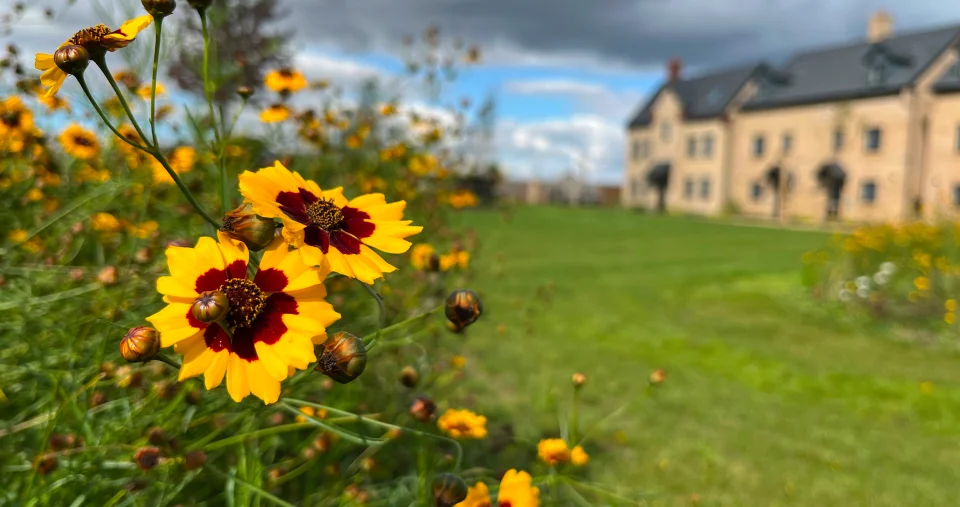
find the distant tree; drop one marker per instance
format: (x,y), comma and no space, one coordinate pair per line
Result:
(244,47)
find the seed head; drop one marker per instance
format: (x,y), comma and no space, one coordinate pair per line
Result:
(245,92)
(200,5)
(463,308)
(72,59)
(448,490)
(255,231)
(423,409)
(147,457)
(409,376)
(578,380)
(140,344)
(195,460)
(211,306)
(658,377)
(46,464)
(344,357)
(159,9)
(157,436)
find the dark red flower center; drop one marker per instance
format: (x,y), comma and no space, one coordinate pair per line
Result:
(246,301)
(83,141)
(92,34)
(12,119)
(325,214)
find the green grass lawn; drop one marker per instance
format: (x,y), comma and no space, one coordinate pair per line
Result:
(772,398)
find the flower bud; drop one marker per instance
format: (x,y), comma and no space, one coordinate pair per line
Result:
(433,263)
(578,380)
(210,306)
(423,409)
(193,397)
(200,5)
(147,457)
(344,357)
(195,460)
(107,275)
(157,436)
(255,231)
(658,376)
(448,490)
(409,376)
(245,92)
(463,307)
(159,8)
(46,464)
(140,344)
(72,59)
(97,399)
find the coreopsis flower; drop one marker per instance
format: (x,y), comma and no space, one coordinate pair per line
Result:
(553,451)
(97,40)
(182,160)
(54,103)
(143,230)
(79,142)
(325,227)
(462,199)
(516,490)
(457,259)
(463,424)
(448,490)
(16,124)
(579,457)
(275,318)
(285,81)
(421,257)
(145,91)
(104,222)
(128,79)
(275,113)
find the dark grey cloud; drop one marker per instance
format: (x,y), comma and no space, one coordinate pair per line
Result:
(634,33)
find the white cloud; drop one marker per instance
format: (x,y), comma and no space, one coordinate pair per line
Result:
(554,87)
(338,71)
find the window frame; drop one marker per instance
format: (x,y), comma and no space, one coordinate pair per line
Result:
(707,143)
(758,145)
(705,188)
(868,136)
(691,146)
(872,185)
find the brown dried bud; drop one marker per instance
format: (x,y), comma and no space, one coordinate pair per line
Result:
(147,457)
(463,307)
(579,379)
(255,231)
(448,490)
(165,389)
(126,377)
(72,59)
(193,397)
(245,92)
(107,275)
(159,8)
(409,376)
(658,377)
(59,442)
(76,275)
(211,306)
(368,464)
(200,5)
(423,409)
(140,344)
(322,443)
(195,460)
(157,436)
(97,399)
(46,464)
(344,357)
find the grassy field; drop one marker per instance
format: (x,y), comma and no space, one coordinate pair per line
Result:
(772,398)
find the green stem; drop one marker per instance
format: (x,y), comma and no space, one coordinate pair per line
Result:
(158,24)
(344,434)
(86,91)
(207,88)
(102,64)
(253,489)
(383,313)
(164,359)
(575,416)
(183,188)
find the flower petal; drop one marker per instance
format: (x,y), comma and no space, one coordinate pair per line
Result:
(261,384)
(237,384)
(218,367)
(275,367)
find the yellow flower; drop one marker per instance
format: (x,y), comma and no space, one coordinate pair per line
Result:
(104,222)
(457,259)
(50,205)
(285,81)
(516,490)
(144,91)
(33,246)
(462,199)
(276,316)
(423,165)
(97,40)
(182,160)
(388,109)
(34,194)
(354,142)
(325,227)
(458,362)
(88,173)
(79,142)
(922,283)
(950,318)
(421,255)
(553,451)
(309,411)
(950,305)
(18,235)
(463,424)
(579,457)
(143,230)
(275,114)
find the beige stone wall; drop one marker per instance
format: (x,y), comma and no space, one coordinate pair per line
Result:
(943,158)
(812,130)
(698,169)
(667,110)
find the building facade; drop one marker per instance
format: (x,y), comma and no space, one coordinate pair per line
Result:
(863,132)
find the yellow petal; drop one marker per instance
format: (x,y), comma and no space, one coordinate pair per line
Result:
(237,384)
(218,367)
(44,61)
(296,349)
(170,286)
(275,367)
(129,30)
(196,360)
(388,244)
(261,384)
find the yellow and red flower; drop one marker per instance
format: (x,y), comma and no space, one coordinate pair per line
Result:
(463,424)
(79,142)
(275,113)
(285,81)
(97,40)
(273,322)
(325,227)
(516,490)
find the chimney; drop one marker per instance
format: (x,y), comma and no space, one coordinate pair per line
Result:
(879,27)
(674,66)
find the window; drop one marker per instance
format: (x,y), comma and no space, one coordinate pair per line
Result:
(838,140)
(956,195)
(691,146)
(665,132)
(787,143)
(957,140)
(758,142)
(688,188)
(638,149)
(756,192)
(707,147)
(868,192)
(871,139)
(705,189)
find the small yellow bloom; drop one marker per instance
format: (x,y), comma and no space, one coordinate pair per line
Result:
(79,142)
(458,259)
(285,81)
(421,255)
(104,222)
(54,103)
(579,457)
(354,142)
(516,490)
(182,160)
(458,362)
(950,318)
(33,245)
(922,283)
(308,411)
(143,230)
(275,114)
(18,235)
(463,199)
(463,424)
(145,91)
(950,305)
(553,451)
(34,194)
(388,109)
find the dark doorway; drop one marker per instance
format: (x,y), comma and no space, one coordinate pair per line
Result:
(659,178)
(774,177)
(831,178)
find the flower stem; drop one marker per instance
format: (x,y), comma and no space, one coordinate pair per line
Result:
(158,24)
(164,359)
(383,313)
(102,64)
(86,91)
(208,94)
(183,188)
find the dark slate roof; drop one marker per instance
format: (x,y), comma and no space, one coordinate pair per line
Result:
(949,81)
(841,73)
(705,96)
